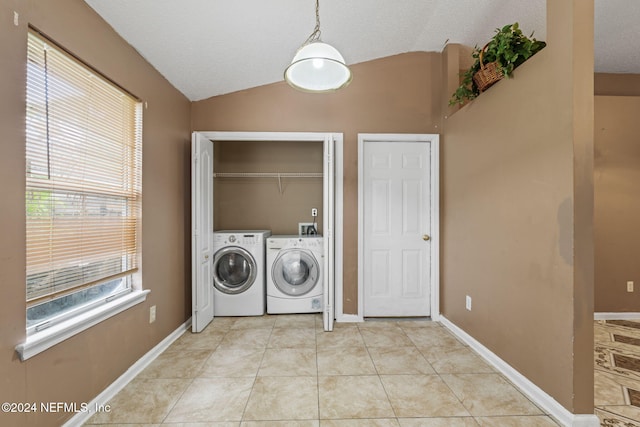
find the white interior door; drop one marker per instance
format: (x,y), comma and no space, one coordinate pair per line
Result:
(202,232)
(397,228)
(328,232)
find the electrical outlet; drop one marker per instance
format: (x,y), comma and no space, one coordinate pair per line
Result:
(152,314)
(630,286)
(468,303)
(307,229)
(314,212)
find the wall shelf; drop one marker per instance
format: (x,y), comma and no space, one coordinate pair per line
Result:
(278,175)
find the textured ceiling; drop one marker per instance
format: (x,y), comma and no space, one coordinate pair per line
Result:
(211,47)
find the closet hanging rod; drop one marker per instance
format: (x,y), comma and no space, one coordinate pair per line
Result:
(278,175)
(267,175)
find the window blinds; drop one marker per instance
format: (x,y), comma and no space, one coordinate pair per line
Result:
(83,177)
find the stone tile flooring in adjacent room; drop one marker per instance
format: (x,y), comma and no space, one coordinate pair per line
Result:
(284,370)
(617,375)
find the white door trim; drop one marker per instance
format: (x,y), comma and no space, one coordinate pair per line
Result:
(434,141)
(339,180)
(328,225)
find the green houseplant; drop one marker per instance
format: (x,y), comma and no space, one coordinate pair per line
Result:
(508,48)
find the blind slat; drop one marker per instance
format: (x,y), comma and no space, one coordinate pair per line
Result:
(83,177)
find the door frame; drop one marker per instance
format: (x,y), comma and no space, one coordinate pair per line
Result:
(434,141)
(302,137)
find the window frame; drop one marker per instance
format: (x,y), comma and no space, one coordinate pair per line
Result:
(61,326)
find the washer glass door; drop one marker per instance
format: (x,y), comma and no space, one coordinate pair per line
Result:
(295,272)
(234,270)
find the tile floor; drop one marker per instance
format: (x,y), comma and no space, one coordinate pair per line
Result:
(283,370)
(617,372)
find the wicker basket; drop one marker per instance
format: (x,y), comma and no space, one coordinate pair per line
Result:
(488,74)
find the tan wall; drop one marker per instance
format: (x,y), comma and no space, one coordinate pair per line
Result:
(514,197)
(398,94)
(81,367)
(617,203)
(516,192)
(258,203)
(607,84)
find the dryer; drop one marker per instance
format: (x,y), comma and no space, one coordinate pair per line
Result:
(294,274)
(239,272)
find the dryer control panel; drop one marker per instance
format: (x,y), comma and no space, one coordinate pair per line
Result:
(240,238)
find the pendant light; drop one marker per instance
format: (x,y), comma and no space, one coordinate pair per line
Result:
(317,66)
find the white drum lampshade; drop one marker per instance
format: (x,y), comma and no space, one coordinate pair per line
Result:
(317,67)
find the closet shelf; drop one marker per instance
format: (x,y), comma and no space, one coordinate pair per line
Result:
(278,175)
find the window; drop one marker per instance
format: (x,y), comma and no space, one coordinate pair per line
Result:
(83,186)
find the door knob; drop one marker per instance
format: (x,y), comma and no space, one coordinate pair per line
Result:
(425,237)
(206,257)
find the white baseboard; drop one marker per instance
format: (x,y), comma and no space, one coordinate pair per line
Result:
(532,391)
(349,318)
(108,393)
(616,316)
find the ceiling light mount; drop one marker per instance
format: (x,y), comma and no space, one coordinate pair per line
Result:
(317,66)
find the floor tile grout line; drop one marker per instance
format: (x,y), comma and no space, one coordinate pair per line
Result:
(191,382)
(178,398)
(455,394)
(368,349)
(255,378)
(395,413)
(500,375)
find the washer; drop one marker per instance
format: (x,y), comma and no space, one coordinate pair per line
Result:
(239,272)
(294,274)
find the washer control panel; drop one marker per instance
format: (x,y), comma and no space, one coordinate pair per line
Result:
(237,239)
(282,242)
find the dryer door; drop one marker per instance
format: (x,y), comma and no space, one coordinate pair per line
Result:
(295,272)
(234,270)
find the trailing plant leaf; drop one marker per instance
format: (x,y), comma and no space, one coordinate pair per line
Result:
(509,47)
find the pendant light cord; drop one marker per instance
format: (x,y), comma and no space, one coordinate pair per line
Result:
(315,36)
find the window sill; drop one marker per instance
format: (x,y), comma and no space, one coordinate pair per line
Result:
(40,341)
